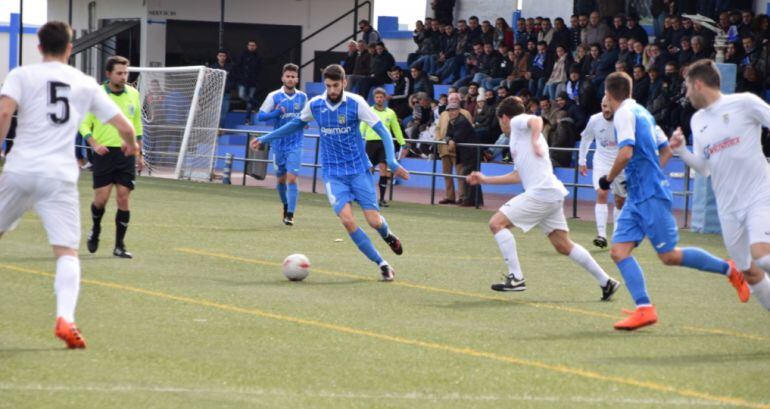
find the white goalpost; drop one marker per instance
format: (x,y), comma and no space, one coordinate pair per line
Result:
(180,115)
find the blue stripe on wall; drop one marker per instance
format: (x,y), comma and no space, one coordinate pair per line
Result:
(13,38)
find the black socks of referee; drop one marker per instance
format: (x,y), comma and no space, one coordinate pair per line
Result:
(96,216)
(121,226)
(383,187)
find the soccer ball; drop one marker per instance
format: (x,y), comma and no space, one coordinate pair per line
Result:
(296,267)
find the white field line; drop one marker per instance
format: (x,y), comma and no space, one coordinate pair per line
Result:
(408,396)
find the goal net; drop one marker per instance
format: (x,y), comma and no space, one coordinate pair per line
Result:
(180,116)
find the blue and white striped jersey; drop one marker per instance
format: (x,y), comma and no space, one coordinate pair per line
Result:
(342,147)
(293,104)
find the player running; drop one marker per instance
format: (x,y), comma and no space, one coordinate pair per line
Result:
(542,202)
(600,128)
(110,166)
(727,146)
(281,106)
(41,172)
(344,162)
(375,149)
(647,211)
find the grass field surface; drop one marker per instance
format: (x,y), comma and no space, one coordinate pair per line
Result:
(203,318)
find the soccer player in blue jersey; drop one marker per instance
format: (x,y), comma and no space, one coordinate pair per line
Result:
(281,106)
(344,161)
(647,211)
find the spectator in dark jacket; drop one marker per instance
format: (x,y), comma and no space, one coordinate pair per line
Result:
(249,68)
(501,69)
(362,69)
(474,30)
(443,10)
(460,131)
(641,88)
(402,89)
(368,33)
(421,81)
(486,63)
(350,60)
(382,61)
(561,36)
(540,70)
(635,31)
(223,63)
(606,64)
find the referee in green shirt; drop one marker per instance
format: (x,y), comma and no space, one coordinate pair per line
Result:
(374,146)
(110,165)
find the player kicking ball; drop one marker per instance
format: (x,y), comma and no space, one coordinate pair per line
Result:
(281,106)
(541,204)
(726,145)
(41,172)
(647,211)
(344,161)
(600,129)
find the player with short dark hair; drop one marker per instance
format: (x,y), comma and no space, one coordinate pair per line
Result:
(282,106)
(344,162)
(375,149)
(110,166)
(727,132)
(541,204)
(41,172)
(647,210)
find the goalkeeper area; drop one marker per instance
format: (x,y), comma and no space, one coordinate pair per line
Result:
(203,317)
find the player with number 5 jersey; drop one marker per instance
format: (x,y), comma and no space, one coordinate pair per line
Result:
(344,161)
(41,172)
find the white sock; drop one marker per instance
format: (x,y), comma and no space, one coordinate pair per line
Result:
(583,258)
(67,286)
(763,263)
(615,215)
(507,245)
(761,291)
(601,212)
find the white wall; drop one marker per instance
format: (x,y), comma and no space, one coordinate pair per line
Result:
(489,9)
(30,55)
(760,6)
(552,9)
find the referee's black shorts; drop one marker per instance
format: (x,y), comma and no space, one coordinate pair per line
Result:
(375,150)
(114,168)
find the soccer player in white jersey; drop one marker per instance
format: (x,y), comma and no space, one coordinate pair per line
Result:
(344,162)
(41,172)
(726,145)
(600,129)
(542,202)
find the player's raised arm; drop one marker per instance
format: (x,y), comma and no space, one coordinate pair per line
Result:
(693,160)
(268,112)
(288,129)
(365,114)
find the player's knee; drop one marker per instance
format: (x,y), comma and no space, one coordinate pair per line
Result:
(618,254)
(564,247)
(291,178)
(670,258)
(754,275)
(601,196)
(495,225)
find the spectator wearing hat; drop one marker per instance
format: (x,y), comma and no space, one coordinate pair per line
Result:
(447,151)
(460,131)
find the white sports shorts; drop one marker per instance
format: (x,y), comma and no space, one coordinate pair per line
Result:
(616,187)
(526,212)
(741,229)
(55,201)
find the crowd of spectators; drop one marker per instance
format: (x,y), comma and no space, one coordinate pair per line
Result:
(557,67)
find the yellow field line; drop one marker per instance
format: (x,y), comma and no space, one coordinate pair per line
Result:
(407,284)
(562,369)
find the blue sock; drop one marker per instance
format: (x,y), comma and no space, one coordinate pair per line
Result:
(383,229)
(281,187)
(634,278)
(365,245)
(292,194)
(694,257)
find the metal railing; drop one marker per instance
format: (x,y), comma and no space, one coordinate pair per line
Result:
(574,185)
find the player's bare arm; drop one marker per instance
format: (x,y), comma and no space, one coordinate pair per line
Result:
(478,178)
(535,125)
(127,133)
(7,108)
(624,156)
(692,160)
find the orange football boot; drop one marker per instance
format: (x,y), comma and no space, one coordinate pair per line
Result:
(736,279)
(69,333)
(641,317)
